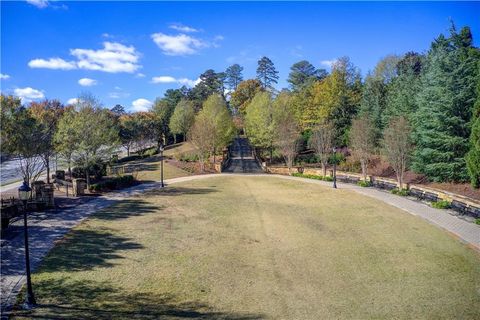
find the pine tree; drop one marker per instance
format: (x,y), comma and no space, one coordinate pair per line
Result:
(303,73)
(267,74)
(445,105)
(233,76)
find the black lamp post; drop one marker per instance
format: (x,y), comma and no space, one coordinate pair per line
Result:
(335,167)
(23,194)
(161,165)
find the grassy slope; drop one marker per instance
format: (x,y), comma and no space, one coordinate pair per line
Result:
(257,247)
(150,167)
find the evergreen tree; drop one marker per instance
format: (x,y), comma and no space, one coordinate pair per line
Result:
(267,74)
(473,156)
(445,105)
(210,83)
(233,76)
(303,73)
(401,99)
(373,104)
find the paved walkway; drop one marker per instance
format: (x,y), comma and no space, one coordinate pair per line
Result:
(242,159)
(46,228)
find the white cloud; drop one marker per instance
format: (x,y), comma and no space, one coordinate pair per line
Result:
(182,28)
(141,105)
(4,76)
(52,63)
(178,45)
(328,63)
(139,75)
(28,94)
(164,79)
(87,82)
(169,79)
(114,57)
(39,3)
(72,101)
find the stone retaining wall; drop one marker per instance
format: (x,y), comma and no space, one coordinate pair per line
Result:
(462,204)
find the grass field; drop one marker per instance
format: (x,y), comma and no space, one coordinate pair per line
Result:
(257,248)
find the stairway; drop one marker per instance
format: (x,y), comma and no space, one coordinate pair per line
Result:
(242,159)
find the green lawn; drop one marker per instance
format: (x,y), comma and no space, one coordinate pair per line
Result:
(257,248)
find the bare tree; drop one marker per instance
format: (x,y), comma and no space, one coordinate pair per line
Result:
(397,146)
(322,143)
(362,141)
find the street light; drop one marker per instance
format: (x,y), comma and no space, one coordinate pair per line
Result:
(23,194)
(161,164)
(335,167)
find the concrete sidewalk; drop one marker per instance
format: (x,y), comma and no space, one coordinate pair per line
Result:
(48,227)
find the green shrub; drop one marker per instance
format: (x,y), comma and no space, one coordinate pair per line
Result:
(477,221)
(114,183)
(400,192)
(442,204)
(188,157)
(312,176)
(363,183)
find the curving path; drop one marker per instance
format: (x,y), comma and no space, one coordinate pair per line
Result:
(48,227)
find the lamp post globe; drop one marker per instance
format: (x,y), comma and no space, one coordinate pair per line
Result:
(335,167)
(24,194)
(161,149)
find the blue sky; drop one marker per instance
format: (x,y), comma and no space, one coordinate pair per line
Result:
(131,52)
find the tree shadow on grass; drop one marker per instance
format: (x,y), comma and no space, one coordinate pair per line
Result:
(124,209)
(87,249)
(72,299)
(179,191)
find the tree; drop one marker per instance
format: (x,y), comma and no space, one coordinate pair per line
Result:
(322,143)
(213,127)
(303,73)
(210,83)
(401,94)
(128,131)
(65,139)
(162,110)
(118,110)
(267,74)
(473,156)
(397,146)
(387,69)
(334,99)
(445,106)
(233,76)
(244,94)
(361,141)
(259,124)
(21,137)
(287,133)
(47,114)
(94,131)
(182,118)
(373,103)
(145,133)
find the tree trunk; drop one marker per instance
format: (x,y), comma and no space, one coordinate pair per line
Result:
(87,176)
(128,151)
(70,169)
(47,163)
(324,169)
(271,154)
(364,169)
